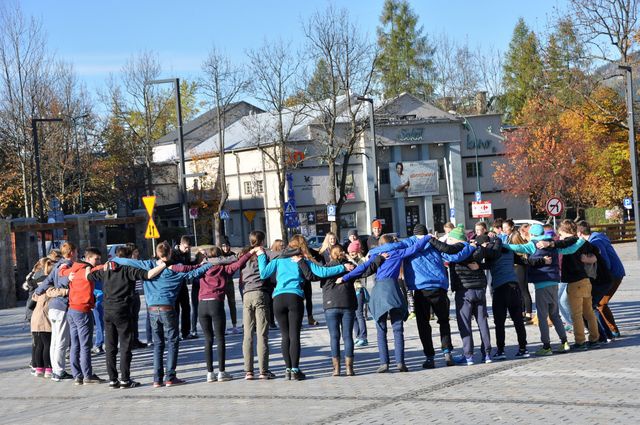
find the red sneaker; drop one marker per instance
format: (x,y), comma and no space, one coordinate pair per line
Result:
(175,381)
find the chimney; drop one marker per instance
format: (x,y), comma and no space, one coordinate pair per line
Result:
(481,102)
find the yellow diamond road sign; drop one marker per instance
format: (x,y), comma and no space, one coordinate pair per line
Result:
(152,230)
(149,202)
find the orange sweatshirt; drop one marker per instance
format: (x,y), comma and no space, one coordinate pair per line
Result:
(80,289)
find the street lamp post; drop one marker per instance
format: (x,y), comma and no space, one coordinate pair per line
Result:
(78,168)
(633,153)
(468,126)
(375,155)
(36,147)
(181,169)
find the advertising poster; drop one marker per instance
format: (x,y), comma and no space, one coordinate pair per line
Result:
(414,178)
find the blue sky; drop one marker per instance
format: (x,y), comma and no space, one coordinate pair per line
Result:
(99,36)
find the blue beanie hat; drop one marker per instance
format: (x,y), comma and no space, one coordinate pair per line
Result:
(536,230)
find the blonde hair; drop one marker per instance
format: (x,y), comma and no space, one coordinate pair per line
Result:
(325,243)
(299,242)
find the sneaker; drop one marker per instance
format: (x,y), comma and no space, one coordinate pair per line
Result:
(402,367)
(448,358)
(189,336)
(361,343)
(499,355)
(412,316)
(487,359)
(287,374)
(224,376)
(615,334)
(211,377)
(429,363)
(267,375)
(383,368)
(173,382)
(544,352)
(93,379)
(462,360)
(568,328)
(523,353)
(297,375)
(114,384)
(97,351)
(563,347)
(48,372)
(313,322)
(78,381)
(593,345)
(158,384)
(579,347)
(56,378)
(38,372)
(248,376)
(138,345)
(129,384)
(193,335)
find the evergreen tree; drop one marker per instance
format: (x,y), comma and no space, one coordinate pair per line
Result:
(405,62)
(319,85)
(522,70)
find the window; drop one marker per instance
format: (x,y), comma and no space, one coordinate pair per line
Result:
(247,188)
(253,187)
(259,186)
(441,174)
(471,169)
(384,176)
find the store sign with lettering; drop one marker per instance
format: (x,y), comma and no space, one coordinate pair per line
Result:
(482,144)
(411,135)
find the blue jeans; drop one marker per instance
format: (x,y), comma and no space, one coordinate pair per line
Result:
(337,318)
(360,325)
(398,336)
(81,331)
(164,326)
(563,303)
(98,319)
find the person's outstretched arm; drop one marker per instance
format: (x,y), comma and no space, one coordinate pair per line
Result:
(266,267)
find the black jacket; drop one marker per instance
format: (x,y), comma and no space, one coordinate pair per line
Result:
(462,277)
(118,285)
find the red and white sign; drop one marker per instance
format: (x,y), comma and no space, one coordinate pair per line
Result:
(481,209)
(554,206)
(193,213)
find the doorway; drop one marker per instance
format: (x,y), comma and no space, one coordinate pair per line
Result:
(413,217)
(439,217)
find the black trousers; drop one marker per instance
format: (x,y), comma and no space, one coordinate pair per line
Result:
(40,351)
(289,310)
(272,318)
(212,321)
(426,301)
(508,297)
(183,309)
(135,316)
(230,293)
(118,330)
(308,297)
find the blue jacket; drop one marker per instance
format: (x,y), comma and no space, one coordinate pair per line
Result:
(57,303)
(609,255)
(425,268)
(164,288)
(390,268)
(289,278)
(503,270)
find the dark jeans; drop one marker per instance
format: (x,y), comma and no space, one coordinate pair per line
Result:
(195,290)
(135,316)
(472,303)
(118,330)
(527,302)
(272,317)
(212,322)
(40,350)
(149,331)
(164,325)
(507,297)
(183,309)
(98,320)
(360,325)
(230,292)
(81,330)
(308,298)
(338,318)
(398,336)
(289,310)
(436,301)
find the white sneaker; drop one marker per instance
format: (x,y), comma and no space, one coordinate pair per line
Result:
(211,377)
(224,376)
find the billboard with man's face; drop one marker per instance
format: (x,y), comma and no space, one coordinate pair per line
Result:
(414,178)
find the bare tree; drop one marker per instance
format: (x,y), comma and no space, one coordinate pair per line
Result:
(223,82)
(335,41)
(275,76)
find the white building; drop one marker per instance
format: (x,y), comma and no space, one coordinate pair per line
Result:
(434,147)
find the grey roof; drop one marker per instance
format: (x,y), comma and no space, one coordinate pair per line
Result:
(406,105)
(205,125)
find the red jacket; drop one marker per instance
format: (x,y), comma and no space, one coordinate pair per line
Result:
(214,280)
(81,296)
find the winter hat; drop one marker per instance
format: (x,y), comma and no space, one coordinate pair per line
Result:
(354,246)
(420,229)
(353,232)
(536,230)
(376,224)
(457,234)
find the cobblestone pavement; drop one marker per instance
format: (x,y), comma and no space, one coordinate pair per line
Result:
(597,386)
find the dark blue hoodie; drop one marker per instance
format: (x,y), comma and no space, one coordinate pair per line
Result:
(609,255)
